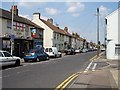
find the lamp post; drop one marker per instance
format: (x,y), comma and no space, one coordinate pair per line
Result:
(11,39)
(98,42)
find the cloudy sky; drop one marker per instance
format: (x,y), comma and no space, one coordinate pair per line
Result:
(78,16)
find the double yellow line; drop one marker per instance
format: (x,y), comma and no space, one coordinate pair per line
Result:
(96,57)
(65,83)
(93,58)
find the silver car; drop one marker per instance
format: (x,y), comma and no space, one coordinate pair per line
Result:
(7,59)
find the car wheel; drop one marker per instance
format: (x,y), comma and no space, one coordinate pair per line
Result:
(37,59)
(55,55)
(25,60)
(17,63)
(47,58)
(60,55)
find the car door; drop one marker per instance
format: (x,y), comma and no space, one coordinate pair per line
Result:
(1,59)
(8,59)
(41,55)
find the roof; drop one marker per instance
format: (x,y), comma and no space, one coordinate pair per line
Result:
(54,28)
(117,10)
(8,15)
(67,33)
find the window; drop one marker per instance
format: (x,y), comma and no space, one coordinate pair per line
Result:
(46,49)
(54,35)
(50,49)
(6,44)
(7,54)
(57,36)
(117,49)
(1,54)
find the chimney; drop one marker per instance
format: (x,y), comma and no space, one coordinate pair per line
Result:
(66,29)
(15,10)
(50,20)
(36,16)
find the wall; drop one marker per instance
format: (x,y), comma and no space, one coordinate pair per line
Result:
(47,34)
(4,27)
(0,33)
(58,41)
(112,35)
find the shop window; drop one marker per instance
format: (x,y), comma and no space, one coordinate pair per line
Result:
(6,44)
(117,49)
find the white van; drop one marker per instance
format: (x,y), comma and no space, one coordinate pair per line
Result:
(52,52)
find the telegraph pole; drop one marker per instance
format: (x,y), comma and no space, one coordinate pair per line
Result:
(12,28)
(98,42)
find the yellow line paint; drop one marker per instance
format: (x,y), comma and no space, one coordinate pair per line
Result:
(59,86)
(68,82)
(93,57)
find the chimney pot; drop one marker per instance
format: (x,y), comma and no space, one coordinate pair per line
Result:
(36,15)
(66,29)
(50,20)
(15,10)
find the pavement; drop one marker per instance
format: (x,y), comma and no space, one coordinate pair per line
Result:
(103,77)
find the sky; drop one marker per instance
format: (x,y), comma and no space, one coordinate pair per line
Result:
(79,16)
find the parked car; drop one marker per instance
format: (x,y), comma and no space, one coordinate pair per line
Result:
(84,50)
(102,49)
(77,51)
(90,50)
(7,59)
(35,55)
(53,52)
(70,51)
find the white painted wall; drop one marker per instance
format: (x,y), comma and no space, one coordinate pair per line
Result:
(79,44)
(0,27)
(4,27)
(74,43)
(58,42)
(4,30)
(48,33)
(112,34)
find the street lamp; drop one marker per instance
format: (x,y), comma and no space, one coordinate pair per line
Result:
(98,42)
(11,37)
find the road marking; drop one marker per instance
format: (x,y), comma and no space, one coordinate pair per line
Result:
(96,57)
(67,81)
(95,64)
(22,71)
(93,57)
(88,67)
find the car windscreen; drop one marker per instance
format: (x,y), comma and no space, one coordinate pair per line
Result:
(46,50)
(1,54)
(31,51)
(50,49)
(6,54)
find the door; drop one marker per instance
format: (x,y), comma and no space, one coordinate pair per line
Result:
(8,59)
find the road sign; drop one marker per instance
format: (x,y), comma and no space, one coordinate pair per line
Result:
(12,37)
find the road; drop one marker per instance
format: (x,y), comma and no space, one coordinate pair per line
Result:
(45,74)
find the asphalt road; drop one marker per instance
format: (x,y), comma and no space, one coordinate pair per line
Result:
(45,74)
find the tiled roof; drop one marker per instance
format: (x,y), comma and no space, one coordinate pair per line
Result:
(53,27)
(67,33)
(8,15)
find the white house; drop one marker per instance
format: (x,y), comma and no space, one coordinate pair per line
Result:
(67,39)
(53,35)
(22,33)
(113,37)
(77,41)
